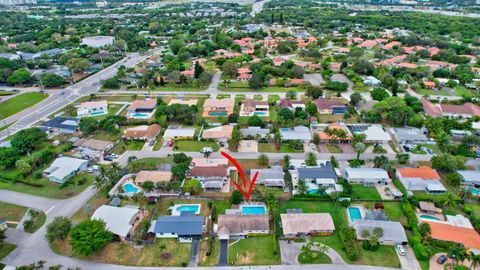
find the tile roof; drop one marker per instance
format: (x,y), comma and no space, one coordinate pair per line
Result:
(143,131)
(467,108)
(447,232)
(305,223)
(153,176)
(323,104)
(423,172)
(238,224)
(212,171)
(430,108)
(143,104)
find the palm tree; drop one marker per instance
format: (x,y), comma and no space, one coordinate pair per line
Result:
(380,161)
(474,260)
(162,248)
(359,148)
(206,154)
(458,253)
(449,201)
(23,167)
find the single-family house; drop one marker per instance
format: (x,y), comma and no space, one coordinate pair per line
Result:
(316,179)
(209,162)
(174,132)
(303,224)
(470,177)
(213,178)
(221,133)
(189,102)
(367,176)
(92,108)
(91,149)
(408,135)
(121,221)
(141,109)
(63,168)
(466,110)
(240,226)
(330,106)
(253,132)
(393,231)
(292,104)
(184,227)
(254,107)
(218,107)
(371,81)
(143,132)
(373,133)
(62,125)
(153,176)
(271,177)
(422,178)
(445,231)
(327,136)
(296,133)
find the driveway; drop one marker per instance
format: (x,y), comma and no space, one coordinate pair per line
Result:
(194,252)
(409,261)
(347,148)
(223,260)
(435,266)
(314,79)
(323,148)
(289,252)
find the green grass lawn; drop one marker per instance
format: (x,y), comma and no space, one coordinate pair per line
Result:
(211,260)
(20,103)
(50,189)
(255,250)
(12,212)
(365,193)
(462,91)
(38,222)
(127,145)
(5,249)
(318,258)
(393,210)
(287,148)
(195,146)
(335,149)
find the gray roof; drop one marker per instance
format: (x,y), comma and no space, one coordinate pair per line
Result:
(252,131)
(392,231)
(324,171)
(69,123)
(296,133)
(276,172)
(185,224)
(375,215)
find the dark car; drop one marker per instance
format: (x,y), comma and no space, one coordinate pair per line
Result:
(108,158)
(442,259)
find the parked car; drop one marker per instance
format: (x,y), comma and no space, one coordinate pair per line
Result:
(401,250)
(313,146)
(206,150)
(164,144)
(442,259)
(170,144)
(108,158)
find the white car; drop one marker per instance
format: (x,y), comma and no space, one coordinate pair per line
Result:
(401,250)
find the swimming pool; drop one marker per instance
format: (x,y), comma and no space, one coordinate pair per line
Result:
(140,115)
(261,113)
(130,188)
(354,213)
(429,217)
(97,113)
(313,191)
(177,209)
(254,210)
(217,113)
(474,191)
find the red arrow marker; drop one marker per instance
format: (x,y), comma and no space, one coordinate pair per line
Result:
(246,194)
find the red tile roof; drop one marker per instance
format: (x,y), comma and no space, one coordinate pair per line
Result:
(423,172)
(446,232)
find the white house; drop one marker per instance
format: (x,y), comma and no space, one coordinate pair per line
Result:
(92,108)
(178,132)
(297,133)
(315,178)
(63,168)
(367,176)
(470,177)
(422,178)
(372,81)
(119,220)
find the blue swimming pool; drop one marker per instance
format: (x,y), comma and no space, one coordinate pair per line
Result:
(354,213)
(140,115)
(217,113)
(129,188)
(261,113)
(254,210)
(97,113)
(188,208)
(313,191)
(429,217)
(474,191)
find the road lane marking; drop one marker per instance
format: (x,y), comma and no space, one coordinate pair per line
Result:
(51,208)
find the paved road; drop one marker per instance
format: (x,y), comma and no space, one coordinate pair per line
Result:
(223,260)
(257,7)
(59,99)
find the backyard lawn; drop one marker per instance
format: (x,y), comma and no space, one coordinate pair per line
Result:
(254,250)
(194,146)
(50,189)
(266,148)
(87,210)
(20,103)
(361,192)
(12,212)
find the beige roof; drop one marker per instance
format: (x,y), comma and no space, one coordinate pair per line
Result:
(429,207)
(238,224)
(305,223)
(219,103)
(143,131)
(93,144)
(218,132)
(188,102)
(94,104)
(142,104)
(153,176)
